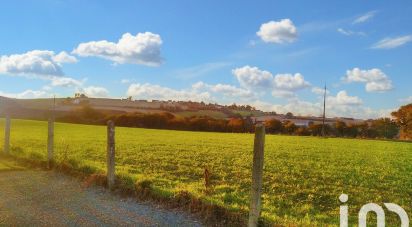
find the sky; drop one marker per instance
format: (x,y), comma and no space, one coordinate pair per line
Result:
(274,55)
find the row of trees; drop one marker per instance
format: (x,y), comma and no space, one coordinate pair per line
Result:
(379,128)
(165,120)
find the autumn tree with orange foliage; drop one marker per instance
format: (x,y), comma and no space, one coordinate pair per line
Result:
(403,117)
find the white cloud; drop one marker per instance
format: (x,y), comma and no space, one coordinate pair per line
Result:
(296,106)
(390,43)
(65,82)
(375,79)
(199,91)
(282,85)
(251,77)
(283,31)
(39,64)
(342,31)
(143,48)
(406,100)
(342,98)
(365,17)
(64,57)
(290,82)
(349,32)
(96,92)
(283,94)
(27,94)
(46,88)
(341,105)
(200,70)
(224,89)
(151,91)
(125,81)
(319,91)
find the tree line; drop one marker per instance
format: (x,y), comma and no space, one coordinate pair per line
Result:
(164,120)
(378,128)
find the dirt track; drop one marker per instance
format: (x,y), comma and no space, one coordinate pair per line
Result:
(39,198)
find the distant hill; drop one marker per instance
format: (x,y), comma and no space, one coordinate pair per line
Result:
(39,109)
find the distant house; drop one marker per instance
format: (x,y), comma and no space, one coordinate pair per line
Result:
(301,122)
(76,101)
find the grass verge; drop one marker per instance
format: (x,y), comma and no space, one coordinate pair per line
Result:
(212,214)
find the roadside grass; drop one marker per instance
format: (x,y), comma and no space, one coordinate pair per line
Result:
(9,165)
(303,176)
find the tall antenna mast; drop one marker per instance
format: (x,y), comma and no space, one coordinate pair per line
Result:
(324,112)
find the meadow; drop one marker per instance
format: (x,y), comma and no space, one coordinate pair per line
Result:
(303,176)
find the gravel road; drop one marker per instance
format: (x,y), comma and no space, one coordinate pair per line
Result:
(41,198)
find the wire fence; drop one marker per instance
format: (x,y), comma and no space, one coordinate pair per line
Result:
(131,156)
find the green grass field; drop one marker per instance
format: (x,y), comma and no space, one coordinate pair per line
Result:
(303,177)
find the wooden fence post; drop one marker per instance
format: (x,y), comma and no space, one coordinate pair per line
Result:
(110,154)
(257,175)
(50,143)
(7,135)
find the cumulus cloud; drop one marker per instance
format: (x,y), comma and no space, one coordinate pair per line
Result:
(375,79)
(390,43)
(224,89)
(283,31)
(296,106)
(96,92)
(199,91)
(64,57)
(319,91)
(152,91)
(406,100)
(282,85)
(283,94)
(342,98)
(339,105)
(143,48)
(253,77)
(65,82)
(365,17)
(27,94)
(40,64)
(43,63)
(290,82)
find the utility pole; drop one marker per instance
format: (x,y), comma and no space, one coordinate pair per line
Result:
(324,112)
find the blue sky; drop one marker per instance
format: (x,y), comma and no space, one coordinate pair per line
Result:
(274,55)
